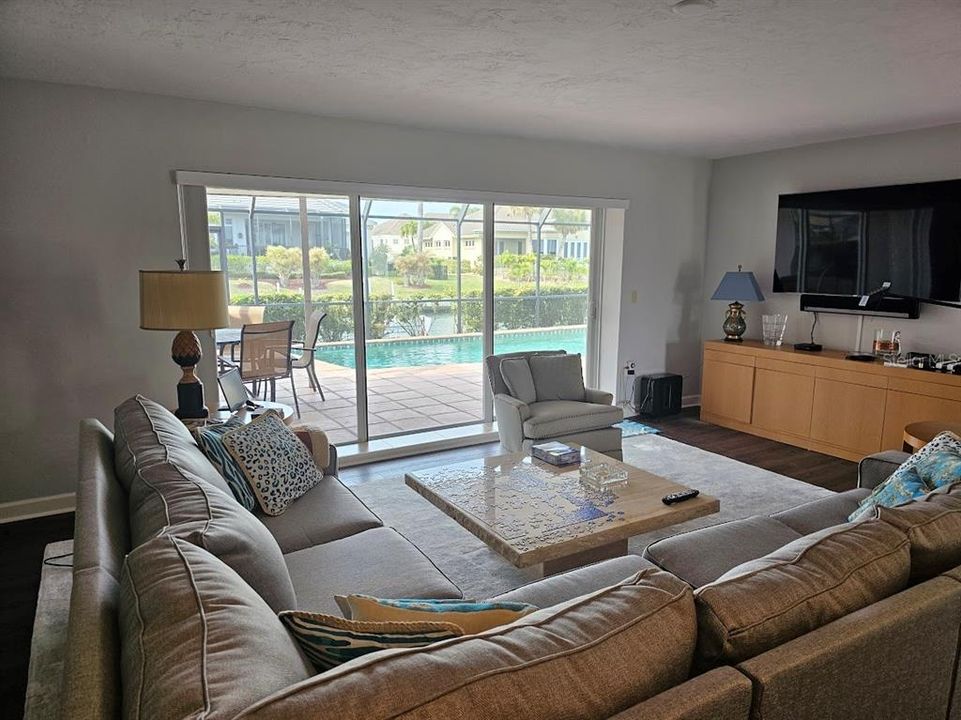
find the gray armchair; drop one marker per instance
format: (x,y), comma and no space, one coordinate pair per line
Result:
(528,421)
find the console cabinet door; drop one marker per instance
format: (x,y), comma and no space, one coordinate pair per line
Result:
(848,416)
(904,408)
(726,390)
(783,399)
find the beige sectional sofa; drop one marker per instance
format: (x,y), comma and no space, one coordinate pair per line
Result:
(176,590)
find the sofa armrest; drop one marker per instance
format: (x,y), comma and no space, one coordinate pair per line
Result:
(601,397)
(511,414)
(315,439)
(721,694)
(875,469)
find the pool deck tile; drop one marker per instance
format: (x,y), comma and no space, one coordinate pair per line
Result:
(400,399)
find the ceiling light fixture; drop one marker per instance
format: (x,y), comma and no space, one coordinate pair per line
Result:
(693,8)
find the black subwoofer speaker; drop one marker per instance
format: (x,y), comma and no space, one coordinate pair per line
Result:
(658,395)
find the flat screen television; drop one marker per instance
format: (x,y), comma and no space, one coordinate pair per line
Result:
(850,242)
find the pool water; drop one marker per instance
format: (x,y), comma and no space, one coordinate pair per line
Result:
(450,350)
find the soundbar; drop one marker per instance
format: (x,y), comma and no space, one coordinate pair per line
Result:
(885,306)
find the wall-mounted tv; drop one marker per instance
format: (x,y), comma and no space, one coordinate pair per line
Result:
(850,242)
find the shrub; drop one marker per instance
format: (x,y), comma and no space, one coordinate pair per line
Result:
(338,267)
(318,259)
(283,262)
(414,266)
(239,265)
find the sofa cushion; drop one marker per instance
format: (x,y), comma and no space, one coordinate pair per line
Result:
(574,583)
(379,562)
(329,641)
(167,499)
(554,418)
(328,511)
(518,378)
(933,525)
(278,466)
(701,556)
(557,377)
(589,658)
(147,433)
(804,585)
(196,640)
(823,512)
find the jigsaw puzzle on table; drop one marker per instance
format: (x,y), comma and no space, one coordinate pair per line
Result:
(524,503)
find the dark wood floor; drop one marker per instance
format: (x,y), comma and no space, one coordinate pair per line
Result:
(811,467)
(22,543)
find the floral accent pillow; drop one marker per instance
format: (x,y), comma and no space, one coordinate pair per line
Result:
(940,468)
(928,469)
(904,485)
(277,465)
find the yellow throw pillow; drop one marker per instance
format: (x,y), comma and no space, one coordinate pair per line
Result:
(471,617)
(329,641)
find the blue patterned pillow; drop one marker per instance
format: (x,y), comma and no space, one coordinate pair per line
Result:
(904,484)
(940,468)
(210,438)
(328,641)
(470,616)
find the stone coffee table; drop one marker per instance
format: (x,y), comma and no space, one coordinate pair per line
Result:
(534,513)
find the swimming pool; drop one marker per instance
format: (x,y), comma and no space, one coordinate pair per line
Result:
(454,349)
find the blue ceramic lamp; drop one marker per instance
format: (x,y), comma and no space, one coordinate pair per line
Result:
(737,286)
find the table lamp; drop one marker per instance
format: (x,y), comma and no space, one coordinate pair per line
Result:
(184,300)
(737,286)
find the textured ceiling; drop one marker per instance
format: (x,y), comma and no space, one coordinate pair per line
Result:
(749,75)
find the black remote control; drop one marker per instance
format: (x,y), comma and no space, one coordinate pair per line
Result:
(680,496)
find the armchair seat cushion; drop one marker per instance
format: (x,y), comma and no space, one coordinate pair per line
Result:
(553,418)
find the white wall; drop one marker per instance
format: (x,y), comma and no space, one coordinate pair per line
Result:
(743,216)
(86,199)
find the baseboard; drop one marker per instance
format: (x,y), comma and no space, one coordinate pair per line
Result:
(37,507)
(690,400)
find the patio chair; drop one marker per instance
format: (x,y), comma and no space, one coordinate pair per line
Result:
(307,351)
(265,356)
(525,422)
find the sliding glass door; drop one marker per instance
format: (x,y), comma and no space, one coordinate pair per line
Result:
(289,257)
(410,295)
(423,310)
(542,275)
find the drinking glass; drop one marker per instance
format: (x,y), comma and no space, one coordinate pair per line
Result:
(773,327)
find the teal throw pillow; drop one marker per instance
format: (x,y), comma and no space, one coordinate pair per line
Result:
(329,641)
(210,438)
(940,468)
(905,484)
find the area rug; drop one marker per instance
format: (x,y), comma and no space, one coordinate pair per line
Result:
(630,428)
(743,490)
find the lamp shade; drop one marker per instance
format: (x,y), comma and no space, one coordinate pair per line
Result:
(183,300)
(738,286)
